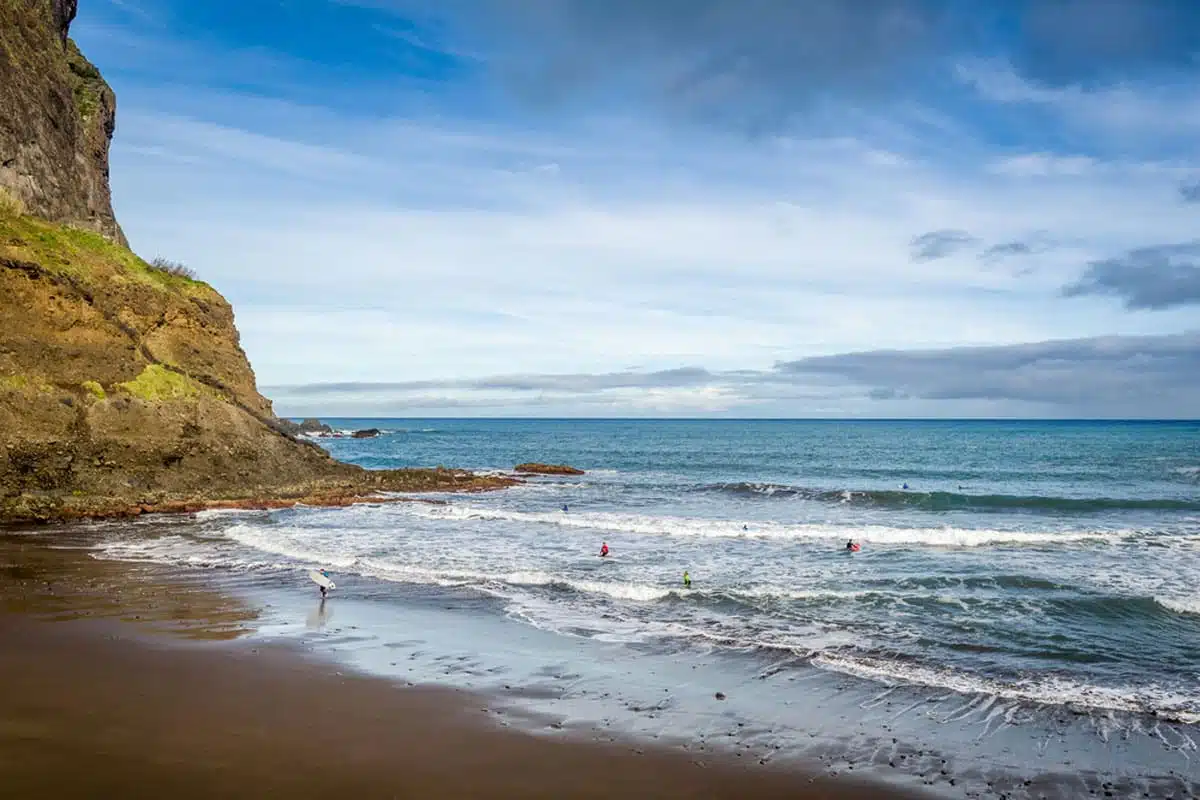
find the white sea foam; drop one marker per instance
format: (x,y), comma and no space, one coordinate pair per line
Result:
(406,573)
(179,551)
(1050,691)
(770,592)
(275,540)
(1180,605)
(723,528)
(217,513)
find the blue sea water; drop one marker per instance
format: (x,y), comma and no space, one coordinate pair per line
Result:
(1038,563)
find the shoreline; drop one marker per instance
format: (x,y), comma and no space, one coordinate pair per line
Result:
(801,721)
(107,705)
(370,488)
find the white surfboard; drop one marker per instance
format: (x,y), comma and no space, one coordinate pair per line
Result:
(321,580)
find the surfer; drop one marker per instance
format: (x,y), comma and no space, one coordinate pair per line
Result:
(687,580)
(851,547)
(603,549)
(564,508)
(905,487)
(324,591)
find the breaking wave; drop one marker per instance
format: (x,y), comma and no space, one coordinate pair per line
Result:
(953,501)
(718,528)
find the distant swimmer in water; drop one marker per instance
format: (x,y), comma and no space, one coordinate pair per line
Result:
(904,486)
(564,508)
(851,547)
(687,580)
(603,549)
(745,527)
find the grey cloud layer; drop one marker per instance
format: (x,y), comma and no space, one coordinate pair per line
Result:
(1030,246)
(1108,376)
(940,244)
(1125,375)
(570,384)
(944,243)
(1066,41)
(755,62)
(1151,278)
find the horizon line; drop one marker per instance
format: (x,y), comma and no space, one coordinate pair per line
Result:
(757,419)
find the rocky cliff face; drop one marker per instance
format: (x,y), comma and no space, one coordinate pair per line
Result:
(57,117)
(123,387)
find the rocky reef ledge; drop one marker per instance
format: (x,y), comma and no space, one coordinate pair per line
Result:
(534,468)
(372,486)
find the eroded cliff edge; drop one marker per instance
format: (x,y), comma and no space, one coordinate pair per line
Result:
(123,387)
(57,116)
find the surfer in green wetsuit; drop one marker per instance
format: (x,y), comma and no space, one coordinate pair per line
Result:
(687,580)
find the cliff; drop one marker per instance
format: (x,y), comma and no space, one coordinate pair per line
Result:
(123,386)
(57,119)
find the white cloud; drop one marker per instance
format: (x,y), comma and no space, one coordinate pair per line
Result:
(403,251)
(1130,109)
(1044,164)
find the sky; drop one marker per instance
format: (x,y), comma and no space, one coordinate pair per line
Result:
(730,208)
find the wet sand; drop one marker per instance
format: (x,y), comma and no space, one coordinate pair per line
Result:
(90,711)
(111,705)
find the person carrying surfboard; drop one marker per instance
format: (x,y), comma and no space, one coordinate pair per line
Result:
(603,549)
(324,590)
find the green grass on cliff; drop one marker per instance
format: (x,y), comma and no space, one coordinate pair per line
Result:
(10,204)
(83,254)
(94,389)
(86,83)
(159,383)
(24,383)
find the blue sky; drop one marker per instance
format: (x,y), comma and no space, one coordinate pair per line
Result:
(700,207)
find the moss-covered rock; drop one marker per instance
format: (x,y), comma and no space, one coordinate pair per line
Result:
(156,382)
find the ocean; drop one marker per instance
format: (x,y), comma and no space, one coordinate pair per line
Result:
(1013,572)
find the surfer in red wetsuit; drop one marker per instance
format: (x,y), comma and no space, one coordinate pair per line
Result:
(603,549)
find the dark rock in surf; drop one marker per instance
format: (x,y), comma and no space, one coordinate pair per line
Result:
(368,433)
(534,468)
(314,426)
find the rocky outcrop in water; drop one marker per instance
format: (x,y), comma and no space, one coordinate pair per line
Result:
(534,468)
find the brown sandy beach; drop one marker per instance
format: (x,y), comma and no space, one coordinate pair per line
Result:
(104,707)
